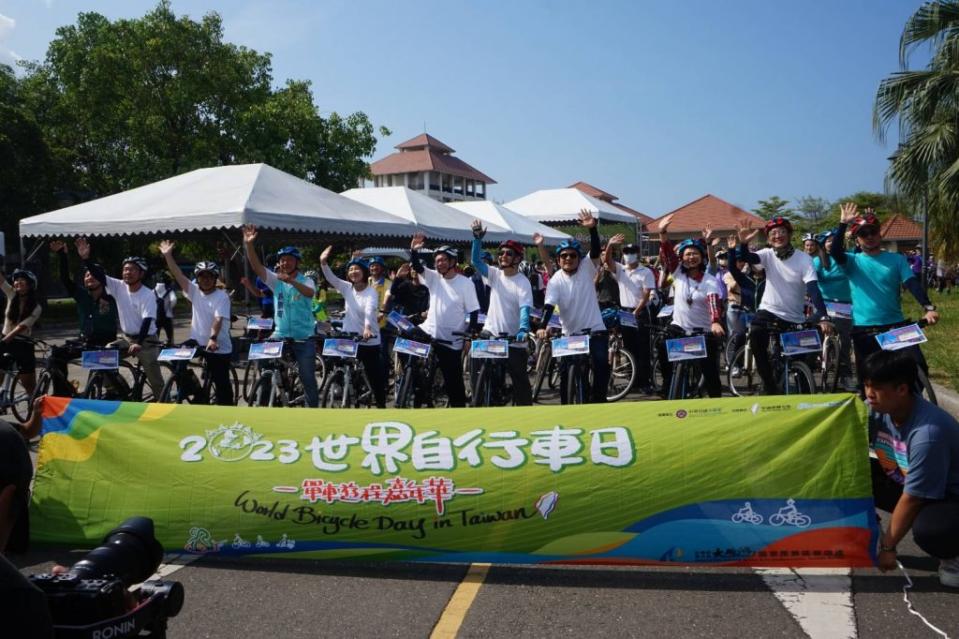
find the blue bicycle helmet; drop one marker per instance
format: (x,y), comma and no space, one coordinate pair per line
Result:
(22,273)
(570,244)
(290,250)
(359,261)
(376,259)
(699,245)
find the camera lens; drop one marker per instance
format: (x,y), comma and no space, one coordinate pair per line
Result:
(129,552)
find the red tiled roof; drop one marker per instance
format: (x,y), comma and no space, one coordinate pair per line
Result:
(644,219)
(424,140)
(711,210)
(427,160)
(592,191)
(900,227)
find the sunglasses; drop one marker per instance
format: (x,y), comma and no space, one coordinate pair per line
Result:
(569,256)
(869,231)
(507,253)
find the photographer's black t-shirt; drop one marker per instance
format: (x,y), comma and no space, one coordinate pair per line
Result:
(23,607)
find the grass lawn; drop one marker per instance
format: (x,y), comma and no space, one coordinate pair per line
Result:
(942,349)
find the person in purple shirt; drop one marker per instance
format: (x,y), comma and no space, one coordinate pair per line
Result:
(915,262)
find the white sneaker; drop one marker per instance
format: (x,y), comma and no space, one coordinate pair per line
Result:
(949,572)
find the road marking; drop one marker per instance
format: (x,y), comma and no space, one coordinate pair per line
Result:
(820,599)
(459,604)
(171,564)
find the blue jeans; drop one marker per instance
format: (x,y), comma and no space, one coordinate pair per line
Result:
(305,354)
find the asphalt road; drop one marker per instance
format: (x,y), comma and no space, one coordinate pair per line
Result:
(296,598)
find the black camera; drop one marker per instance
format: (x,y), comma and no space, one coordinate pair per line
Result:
(93,599)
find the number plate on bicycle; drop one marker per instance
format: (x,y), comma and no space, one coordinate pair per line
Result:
(799,342)
(259,324)
(266,350)
(100,360)
(175,354)
(339,348)
(489,348)
(684,348)
(901,337)
(566,346)
(400,321)
(410,347)
(839,310)
(626,318)
(666,311)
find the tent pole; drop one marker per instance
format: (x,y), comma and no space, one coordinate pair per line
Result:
(27,258)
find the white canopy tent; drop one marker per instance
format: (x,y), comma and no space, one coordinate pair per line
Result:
(521,227)
(564,205)
(219,198)
(435,219)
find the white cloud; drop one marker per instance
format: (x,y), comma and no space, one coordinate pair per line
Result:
(7,25)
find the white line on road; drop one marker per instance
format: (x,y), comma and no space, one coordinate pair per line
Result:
(820,599)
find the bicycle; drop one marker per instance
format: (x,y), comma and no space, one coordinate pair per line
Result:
(119,380)
(13,394)
(489,387)
(792,375)
(622,368)
(257,331)
(925,388)
(183,386)
(686,379)
(346,385)
(277,382)
(576,369)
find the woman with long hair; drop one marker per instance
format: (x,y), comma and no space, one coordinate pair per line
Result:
(23,309)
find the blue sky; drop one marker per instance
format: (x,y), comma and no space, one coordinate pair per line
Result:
(656,102)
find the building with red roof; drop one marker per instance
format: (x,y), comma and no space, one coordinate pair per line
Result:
(427,165)
(600,194)
(690,219)
(900,233)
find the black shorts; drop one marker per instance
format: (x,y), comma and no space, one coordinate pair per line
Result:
(22,353)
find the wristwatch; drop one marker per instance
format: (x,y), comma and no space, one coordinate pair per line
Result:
(929,307)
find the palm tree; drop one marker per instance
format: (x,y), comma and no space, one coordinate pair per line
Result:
(925,166)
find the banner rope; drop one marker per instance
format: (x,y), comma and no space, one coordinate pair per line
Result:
(909,606)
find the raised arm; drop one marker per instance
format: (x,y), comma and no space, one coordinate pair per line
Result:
(60,248)
(609,254)
(340,285)
(415,245)
(711,241)
(745,235)
(166,250)
(544,256)
(847,213)
(476,250)
(249,237)
(83,250)
(587,221)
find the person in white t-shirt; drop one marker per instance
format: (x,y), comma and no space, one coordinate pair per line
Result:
(362,308)
(210,323)
(572,289)
(790,279)
(452,298)
(511,300)
(637,288)
(696,303)
(137,308)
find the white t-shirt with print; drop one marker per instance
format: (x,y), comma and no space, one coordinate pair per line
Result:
(785,292)
(690,306)
(361,306)
(575,295)
(508,294)
(207,307)
(451,300)
(133,308)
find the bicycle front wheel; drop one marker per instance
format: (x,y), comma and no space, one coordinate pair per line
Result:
(174,392)
(263,391)
(480,395)
(830,364)
(334,390)
(799,379)
(741,375)
(575,384)
(20,400)
(622,374)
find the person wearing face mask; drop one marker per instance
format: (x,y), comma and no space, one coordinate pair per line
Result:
(210,323)
(790,279)
(362,308)
(452,297)
(876,279)
(637,286)
(696,302)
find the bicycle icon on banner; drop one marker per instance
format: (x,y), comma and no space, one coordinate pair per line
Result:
(788,515)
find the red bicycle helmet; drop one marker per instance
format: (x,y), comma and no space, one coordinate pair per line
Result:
(777,221)
(514,246)
(862,221)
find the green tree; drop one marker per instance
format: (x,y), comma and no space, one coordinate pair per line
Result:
(812,212)
(772,207)
(128,102)
(925,166)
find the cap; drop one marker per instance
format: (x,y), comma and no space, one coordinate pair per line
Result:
(16,469)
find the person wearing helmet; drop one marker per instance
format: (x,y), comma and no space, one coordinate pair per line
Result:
(510,303)
(637,289)
(834,286)
(790,279)
(696,301)
(572,289)
(809,245)
(210,323)
(23,310)
(137,310)
(97,312)
(362,309)
(876,279)
(452,297)
(382,285)
(293,293)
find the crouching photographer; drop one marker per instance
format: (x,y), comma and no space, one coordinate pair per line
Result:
(91,599)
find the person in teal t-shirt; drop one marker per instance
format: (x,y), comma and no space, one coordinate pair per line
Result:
(834,286)
(876,278)
(293,319)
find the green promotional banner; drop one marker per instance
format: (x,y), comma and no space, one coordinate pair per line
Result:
(769,481)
